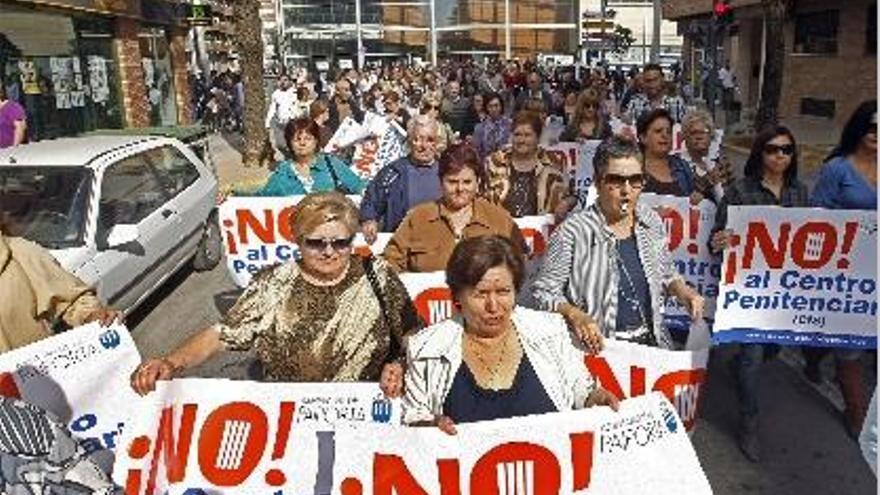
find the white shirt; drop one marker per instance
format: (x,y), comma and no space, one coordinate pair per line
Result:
(434,356)
(282,106)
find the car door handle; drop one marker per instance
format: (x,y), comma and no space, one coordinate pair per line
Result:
(167,213)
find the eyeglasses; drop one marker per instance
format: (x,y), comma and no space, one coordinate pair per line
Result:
(321,245)
(635,181)
(772,149)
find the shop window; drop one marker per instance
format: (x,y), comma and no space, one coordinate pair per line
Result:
(816,32)
(871,30)
(817,107)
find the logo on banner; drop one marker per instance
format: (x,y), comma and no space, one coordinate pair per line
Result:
(110,339)
(382,409)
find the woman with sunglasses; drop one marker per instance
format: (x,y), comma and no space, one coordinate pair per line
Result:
(624,271)
(588,122)
(425,239)
(770,179)
(848,181)
(431,106)
(330,316)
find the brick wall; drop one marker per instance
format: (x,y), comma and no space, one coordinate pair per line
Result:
(183,96)
(849,77)
(135,106)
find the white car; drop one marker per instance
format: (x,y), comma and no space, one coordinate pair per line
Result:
(122,213)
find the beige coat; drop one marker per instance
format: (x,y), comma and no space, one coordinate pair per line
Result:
(35,290)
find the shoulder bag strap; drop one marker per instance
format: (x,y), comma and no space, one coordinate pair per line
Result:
(370,271)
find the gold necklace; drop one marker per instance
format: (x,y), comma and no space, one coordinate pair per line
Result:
(493,370)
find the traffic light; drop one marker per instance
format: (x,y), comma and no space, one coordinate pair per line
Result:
(722,12)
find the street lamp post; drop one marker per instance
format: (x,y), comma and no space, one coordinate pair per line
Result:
(507,50)
(433,34)
(359,31)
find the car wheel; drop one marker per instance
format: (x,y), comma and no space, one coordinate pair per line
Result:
(210,249)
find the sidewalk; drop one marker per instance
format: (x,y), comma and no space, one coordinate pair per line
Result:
(228,165)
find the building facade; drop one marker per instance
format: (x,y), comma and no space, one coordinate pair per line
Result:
(80,65)
(830,54)
(637,16)
(492,28)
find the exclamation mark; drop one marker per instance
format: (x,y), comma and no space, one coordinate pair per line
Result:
(849,236)
(693,230)
(581,459)
(732,259)
(231,246)
(275,477)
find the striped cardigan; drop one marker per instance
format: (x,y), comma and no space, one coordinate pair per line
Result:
(580,268)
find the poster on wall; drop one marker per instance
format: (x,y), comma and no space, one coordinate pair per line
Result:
(62,80)
(30,77)
(98,83)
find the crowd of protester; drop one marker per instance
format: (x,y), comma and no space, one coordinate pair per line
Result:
(475,160)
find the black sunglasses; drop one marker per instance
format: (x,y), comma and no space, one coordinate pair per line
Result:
(322,244)
(772,149)
(635,181)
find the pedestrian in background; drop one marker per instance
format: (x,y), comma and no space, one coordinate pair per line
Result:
(13,120)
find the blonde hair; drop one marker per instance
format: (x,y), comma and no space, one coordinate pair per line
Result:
(697,116)
(316,209)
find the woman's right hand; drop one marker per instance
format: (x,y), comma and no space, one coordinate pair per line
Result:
(586,329)
(720,240)
(370,229)
(446,425)
(145,376)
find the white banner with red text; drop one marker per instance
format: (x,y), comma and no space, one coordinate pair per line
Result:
(246,441)
(80,376)
(257,234)
(799,276)
(688,229)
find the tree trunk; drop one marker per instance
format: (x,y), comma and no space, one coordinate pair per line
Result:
(249,42)
(774,63)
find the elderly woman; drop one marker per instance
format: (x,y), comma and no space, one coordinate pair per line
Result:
(329,317)
(495,359)
(432,106)
(426,237)
(588,122)
(523,179)
(309,170)
(664,173)
(624,271)
(710,176)
(403,183)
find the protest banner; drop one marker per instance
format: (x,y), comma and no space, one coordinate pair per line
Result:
(430,295)
(799,276)
(576,160)
(257,234)
(80,376)
(688,229)
(632,370)
(195,440)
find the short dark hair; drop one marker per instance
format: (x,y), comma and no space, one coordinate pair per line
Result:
(531,119)
(653,66)
(755,163)
(473,257)
(301,124)
(645,121)
(614,148)
(458,157)
(488,97)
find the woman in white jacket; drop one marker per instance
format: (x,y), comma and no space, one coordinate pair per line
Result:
(496,360)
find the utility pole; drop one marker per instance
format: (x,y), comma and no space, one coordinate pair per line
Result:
(360,35)
(655,35)
(602,5)
(433,34)
(507,50)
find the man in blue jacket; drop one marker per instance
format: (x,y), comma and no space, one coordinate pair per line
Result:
(404,183)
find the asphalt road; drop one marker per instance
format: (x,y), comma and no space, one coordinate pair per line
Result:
(804,446)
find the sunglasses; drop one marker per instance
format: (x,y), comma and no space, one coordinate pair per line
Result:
(635,181)
(321,245)
(432,107)
(772,149)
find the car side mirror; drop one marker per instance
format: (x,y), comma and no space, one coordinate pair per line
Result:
(122,234)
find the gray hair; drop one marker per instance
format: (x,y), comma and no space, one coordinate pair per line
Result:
(695,117)
(614,148)
(419,121)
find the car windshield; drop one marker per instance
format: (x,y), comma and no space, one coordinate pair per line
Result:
(45,204)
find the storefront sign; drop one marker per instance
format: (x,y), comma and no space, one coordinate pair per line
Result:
(799,276)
